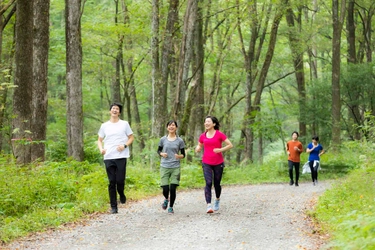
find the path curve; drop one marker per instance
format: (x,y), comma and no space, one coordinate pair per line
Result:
(257,217)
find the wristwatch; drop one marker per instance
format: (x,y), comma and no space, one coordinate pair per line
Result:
(125,146)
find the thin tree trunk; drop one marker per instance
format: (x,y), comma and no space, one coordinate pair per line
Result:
(4,91)
(156,113)
(297,54)
(40,72)
(198,110)
(185,58)
(354,95)
(131,85)
(336,63)
(23,79)
(116,83)
(249,64)
(74,79)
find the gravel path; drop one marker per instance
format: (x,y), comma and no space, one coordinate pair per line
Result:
(269,216)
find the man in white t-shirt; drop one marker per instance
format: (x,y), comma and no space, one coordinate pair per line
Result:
(115,137)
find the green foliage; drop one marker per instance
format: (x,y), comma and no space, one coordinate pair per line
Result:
(192,176)
(368,127)
(347,210)
(43,196)
(58,192)
(40,196)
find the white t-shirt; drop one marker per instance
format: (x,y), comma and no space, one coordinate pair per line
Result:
(115,134)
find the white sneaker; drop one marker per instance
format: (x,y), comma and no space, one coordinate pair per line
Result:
(209,209)
(217,205)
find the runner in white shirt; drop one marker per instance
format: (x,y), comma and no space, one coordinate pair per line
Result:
(115,137)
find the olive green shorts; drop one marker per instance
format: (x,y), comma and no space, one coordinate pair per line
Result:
(169,176)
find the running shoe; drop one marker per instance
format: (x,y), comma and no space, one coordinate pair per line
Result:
(164,205)
(217,205)
(209,209)
(170,210)
(122,199)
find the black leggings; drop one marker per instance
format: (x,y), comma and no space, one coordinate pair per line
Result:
(296,165)
(170,191)
(216,172)
(314,170)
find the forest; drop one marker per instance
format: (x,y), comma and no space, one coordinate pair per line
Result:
(264,68)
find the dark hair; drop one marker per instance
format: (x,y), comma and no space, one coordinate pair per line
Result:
(116,104)
(170,122)
(315,137)
(295,132)
(214,120)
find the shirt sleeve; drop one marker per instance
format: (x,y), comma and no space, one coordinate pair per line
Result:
(201,138)
(182,150)
(159,150)
(101,132)
(223,136)
(128,129)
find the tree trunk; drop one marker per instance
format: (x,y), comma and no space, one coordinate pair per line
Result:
(336,63)
(198,112)
(294,42)
(130,86)
(193,114)
(158,96)
(23,78)
(40,74)
(249,64)
(116,83)
(354,95)
(4,91)
(74,79)
(186,52)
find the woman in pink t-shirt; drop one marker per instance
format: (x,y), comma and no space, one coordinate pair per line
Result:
(213,160)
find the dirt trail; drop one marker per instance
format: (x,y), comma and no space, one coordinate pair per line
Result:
(270,216)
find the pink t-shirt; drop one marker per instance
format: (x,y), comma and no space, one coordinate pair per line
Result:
(209,156)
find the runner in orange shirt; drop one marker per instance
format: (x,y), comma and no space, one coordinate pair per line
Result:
(294,149)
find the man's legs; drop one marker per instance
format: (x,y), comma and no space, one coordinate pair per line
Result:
(290,165)
(296,168)
(110,167)
(116,171)
(120,178)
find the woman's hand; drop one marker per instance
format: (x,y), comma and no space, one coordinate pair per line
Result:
(217,150)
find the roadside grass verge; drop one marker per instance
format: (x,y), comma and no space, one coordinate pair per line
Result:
(347,211)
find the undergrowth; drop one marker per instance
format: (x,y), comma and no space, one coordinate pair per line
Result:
(347,210)
(38,197)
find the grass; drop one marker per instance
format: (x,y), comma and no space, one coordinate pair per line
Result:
(347,210)
(38,197)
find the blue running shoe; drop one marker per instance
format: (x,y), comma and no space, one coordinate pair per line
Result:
(164,205)
(170,210)
(217,205)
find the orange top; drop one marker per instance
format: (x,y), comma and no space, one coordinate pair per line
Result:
(293,154)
